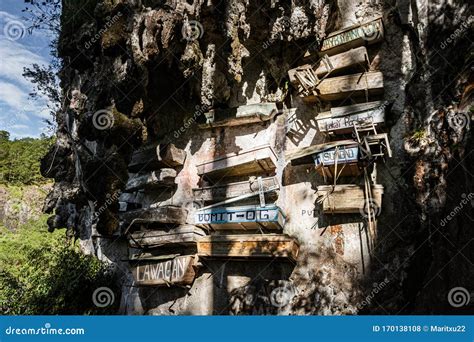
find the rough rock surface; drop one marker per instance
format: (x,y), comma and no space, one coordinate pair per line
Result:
(139,71)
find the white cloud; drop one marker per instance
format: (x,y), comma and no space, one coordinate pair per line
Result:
(12,95)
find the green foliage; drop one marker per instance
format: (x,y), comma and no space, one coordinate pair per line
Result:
(20,159)
(43,273)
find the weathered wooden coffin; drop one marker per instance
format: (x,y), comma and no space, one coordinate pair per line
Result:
(357,58)
(339,160)
(164,214)
(339,88)
(249,217)
(241,115)
(350,37)
(347,198)
(152,180)
(341,120)
(248,245)
(182,235)
(222,192)
(304,155)
(156,156)
(177,271)
(250,162)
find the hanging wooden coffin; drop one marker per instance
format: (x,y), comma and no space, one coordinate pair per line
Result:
(152,180)
(182,235)
(355,58)
(177,271)
(341,160)
(164,214)
(248,245)
(156,156)
(241,115)
(241,218)
(341,87)
(222,192)
(258,160)
(348,198)
(350,37)
(341,120)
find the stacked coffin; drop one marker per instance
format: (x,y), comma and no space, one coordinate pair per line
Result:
(236,192)
(162,246)
(345,73)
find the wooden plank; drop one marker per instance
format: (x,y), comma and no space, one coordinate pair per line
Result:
(248,245)
(164,214)
(250,217)
(353,58)
(304,155)
(182,235)
(241,115)
(156,156)
(339,88)
(222,192)
(341,120)
(347,198)
(177,271)
(152,180)
(258,160)
(347,38)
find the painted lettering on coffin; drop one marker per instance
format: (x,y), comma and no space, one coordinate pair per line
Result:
(170,270)
(344,155)
(367,30)
(249,215)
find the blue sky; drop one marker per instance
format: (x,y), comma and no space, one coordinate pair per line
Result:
(19,114)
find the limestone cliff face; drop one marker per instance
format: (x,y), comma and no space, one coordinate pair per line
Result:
(137,72)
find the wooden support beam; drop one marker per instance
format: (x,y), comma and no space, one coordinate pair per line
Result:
(370,32)
(152,180)
(156,156)
(250,162)
(248,246)
(222,192)
(164,214)
(341,120)
(177,271)
(181,235)
(347,198)
(241,115)
(250,217)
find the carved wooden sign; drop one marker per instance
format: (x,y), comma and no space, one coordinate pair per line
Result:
(350,37)
(341,120)
(177,271)
(245,217)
